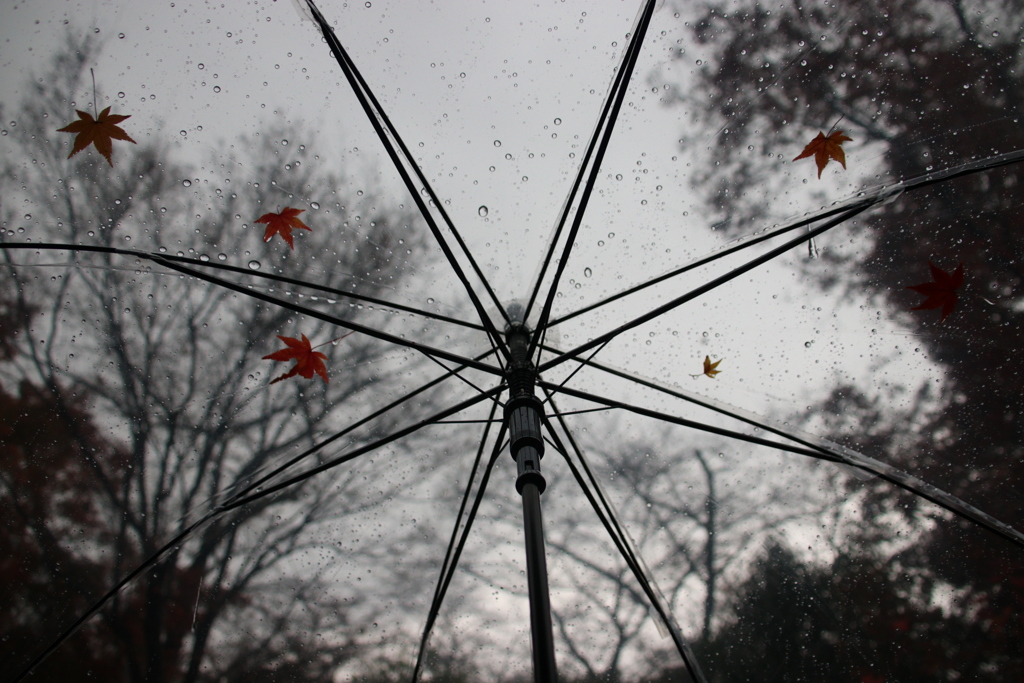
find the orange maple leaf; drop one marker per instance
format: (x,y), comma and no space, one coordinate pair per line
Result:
(709,367)
(282,224)
(941,292)
(307,361)
(826,148)
(99,131)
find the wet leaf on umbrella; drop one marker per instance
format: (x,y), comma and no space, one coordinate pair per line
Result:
(825,149)
(941,292)
(307,361)
(99,132)
(282,224)
(709,367)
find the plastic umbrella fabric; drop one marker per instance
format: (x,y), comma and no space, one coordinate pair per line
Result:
(750,276)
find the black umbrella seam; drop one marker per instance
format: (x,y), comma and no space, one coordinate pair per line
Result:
(370,104)
(445,579)
(879,195)
(707,287)
(165,550)
(613,92)
(685,652)
(625,73)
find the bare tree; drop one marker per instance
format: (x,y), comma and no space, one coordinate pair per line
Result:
(170,367)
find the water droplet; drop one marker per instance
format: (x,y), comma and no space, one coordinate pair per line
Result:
(255,265)
(587,272)
(120,94)
(497,143)
(489,169)
(430,300)
(807,345)
(201,65)
(186,182)
(121,36)
(28,216)
(482,211)
(366,5)
(183,133)
(204,257)
(216,88)
(284,142)
(222,257)
(509,157)
(314,205)
(558,122)
(525,178)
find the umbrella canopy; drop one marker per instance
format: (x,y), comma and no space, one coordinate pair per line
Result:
(284,284)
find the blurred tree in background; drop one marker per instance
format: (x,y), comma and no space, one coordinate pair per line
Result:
(924,82)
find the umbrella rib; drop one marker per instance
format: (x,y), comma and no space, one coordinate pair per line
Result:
(582,363)
(245,271)
(581,412)
(707,287)
(356,327)
(405,431)
(710,258)
(625,72)
(352,427)
(465,496)
(453,372)
(877,195)
(616,533)
(457,542)
(617,84)
(646,412)
(377,115)
(835,454)
(236,502)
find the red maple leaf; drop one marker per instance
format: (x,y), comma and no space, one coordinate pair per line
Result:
(825,149)
(282,224)
(307,361)
(99,131)
(941,292)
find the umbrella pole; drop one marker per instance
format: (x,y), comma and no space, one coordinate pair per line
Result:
(537,576)
(523,416)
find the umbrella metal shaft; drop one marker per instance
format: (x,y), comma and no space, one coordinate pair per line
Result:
(537,577)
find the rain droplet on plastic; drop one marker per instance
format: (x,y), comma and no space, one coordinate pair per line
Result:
(482,211)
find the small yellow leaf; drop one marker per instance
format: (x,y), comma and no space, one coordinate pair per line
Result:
(709,367)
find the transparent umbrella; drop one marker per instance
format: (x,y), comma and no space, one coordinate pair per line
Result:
(777,377)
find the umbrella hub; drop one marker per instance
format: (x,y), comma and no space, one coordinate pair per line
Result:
(523,412)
